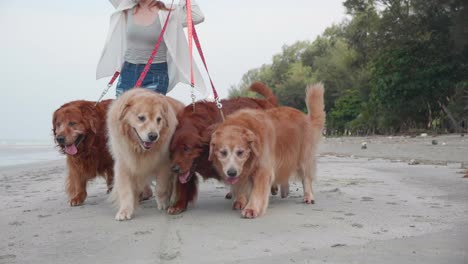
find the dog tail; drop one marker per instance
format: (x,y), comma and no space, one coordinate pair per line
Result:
(315,105)
(265,91)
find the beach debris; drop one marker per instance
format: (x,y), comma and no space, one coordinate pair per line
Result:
(434,142)
(364,145)
(413,162)
(443,143)
(464,165)
(466,174)
(424,135)
(338,245)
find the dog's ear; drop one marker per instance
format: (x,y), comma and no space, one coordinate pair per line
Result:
(169,115)
(212,142)
(90,116)
(124,111)
(206,134)
(54,121)
(252,139)
(211,154)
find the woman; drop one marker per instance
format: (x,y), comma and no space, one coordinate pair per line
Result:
(134,28)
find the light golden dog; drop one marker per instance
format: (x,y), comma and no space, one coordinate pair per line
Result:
(255,150)
(141,123)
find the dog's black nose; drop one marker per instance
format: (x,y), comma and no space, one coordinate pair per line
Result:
(175,168)
(232,172)
(60,140)
(152,136)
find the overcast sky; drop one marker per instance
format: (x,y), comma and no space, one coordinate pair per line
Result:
(50,48)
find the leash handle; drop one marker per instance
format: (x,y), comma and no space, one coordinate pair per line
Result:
(155,50)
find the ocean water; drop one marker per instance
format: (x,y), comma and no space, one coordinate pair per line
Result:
(25,152)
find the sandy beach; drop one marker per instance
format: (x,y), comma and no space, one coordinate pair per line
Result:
(371,207)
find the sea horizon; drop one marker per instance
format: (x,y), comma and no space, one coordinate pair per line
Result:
(26,151)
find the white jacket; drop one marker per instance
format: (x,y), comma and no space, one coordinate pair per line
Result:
(178,58)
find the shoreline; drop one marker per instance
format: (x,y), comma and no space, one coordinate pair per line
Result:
(450,148)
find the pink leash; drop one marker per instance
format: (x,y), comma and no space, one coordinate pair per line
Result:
(192,35)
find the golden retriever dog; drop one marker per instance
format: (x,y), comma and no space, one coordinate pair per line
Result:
(141,123)
(79,129)
(255,150)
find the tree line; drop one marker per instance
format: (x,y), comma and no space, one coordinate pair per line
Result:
(392,66)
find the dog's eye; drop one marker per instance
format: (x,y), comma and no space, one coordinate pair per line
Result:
(240,153)
(223,153)
(186,149)
(158,120)
(142,118)
(72,123)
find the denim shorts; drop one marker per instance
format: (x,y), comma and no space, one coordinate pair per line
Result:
(156,79)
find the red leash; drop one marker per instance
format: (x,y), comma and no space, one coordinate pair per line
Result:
(190,27)
(192,35)
(109,85)
(202,56)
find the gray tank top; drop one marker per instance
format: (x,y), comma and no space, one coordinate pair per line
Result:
(141,41)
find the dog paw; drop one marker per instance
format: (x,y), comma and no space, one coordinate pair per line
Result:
(124,214)
(146,194)
(249,213)
(308,200)
(274,190)
(228,196)
(163,204)
(237,205)
(77,200)
(284,193)
(173,210)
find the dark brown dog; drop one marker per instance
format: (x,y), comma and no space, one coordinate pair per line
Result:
(190,146)
(79,129)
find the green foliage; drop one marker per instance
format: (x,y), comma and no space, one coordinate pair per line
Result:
(347,108)
(393,66)
(331,60)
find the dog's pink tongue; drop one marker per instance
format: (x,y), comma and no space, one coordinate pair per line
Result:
(71,149)
(232,180)
(183,178)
